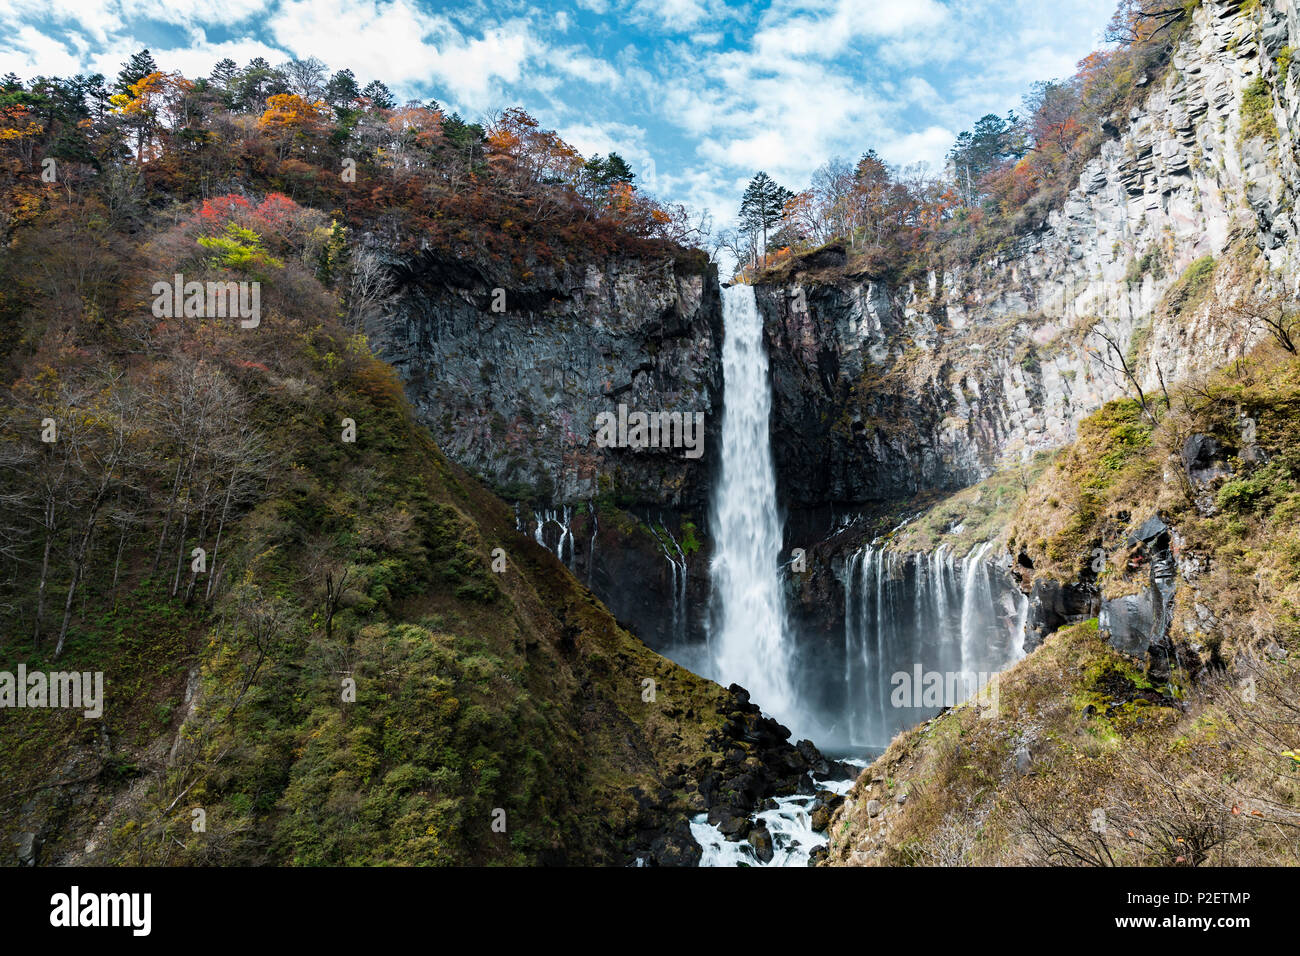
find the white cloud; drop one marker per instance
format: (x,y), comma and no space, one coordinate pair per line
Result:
(826,30)
(397,42)
(574,63)
(32,52)
(929,146)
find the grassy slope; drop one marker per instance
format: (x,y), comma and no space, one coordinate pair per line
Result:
(1085,761)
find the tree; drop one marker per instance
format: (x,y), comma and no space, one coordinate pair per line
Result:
(982,150)
(1276,315)
(223,78)
(1114,358)
(134,70)
(306,77)
(342,91)
(379,95)
(601,175)
(763,206)
(290,118)
(257,82)
(1140,21)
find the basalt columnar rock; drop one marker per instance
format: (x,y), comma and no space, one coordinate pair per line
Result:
(886,388)
(511,371)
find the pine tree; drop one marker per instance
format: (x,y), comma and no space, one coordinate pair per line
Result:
(134,70)
(380,96)
(981,150)
(606,171)
(342,89)
(763,206)
(257,83)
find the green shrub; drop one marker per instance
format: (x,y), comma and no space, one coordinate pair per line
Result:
(1191,288)
(1257,111)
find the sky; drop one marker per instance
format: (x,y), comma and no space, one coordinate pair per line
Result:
(697,95)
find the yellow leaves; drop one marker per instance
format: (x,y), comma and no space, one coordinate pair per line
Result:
(18,132)
(150,93)
(289,111)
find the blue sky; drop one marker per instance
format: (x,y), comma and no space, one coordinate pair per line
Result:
(696,94)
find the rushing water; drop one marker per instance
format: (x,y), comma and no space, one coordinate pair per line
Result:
(789,822)
(931,616)
(749,632)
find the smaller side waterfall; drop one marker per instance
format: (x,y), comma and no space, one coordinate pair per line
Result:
(562,519)
(922,632)
(676,558)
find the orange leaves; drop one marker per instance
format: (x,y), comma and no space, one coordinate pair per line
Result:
(517,142)
(290,112)
(153,93)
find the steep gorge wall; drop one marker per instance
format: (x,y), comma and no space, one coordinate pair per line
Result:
(887,391)
(511,370)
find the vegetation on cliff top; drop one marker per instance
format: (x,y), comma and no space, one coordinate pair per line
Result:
(1004,175)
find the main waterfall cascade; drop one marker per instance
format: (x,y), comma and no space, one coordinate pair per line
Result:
(748,633)
(925,616)
(922,616)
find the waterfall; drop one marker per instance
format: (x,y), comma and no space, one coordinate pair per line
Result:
(976,596)
(748,637)
(563,520)
(921,632)
(677,568)
(591,546)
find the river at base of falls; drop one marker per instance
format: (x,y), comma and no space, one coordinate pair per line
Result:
(789,822)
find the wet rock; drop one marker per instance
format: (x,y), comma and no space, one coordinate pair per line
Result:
(733,826)
(823,808)
(760,838)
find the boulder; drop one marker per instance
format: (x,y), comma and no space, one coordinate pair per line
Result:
(675,847)
(1128,623)
(1203,460)
(28,847)
(760,838)
(1053,604)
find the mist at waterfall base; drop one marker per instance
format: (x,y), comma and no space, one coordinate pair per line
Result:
(917,615)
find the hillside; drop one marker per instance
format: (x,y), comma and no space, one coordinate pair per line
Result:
(321,641)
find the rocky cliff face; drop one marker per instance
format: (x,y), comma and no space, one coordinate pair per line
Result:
(884,391)
(885,394)
(511,374)
(888,395)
